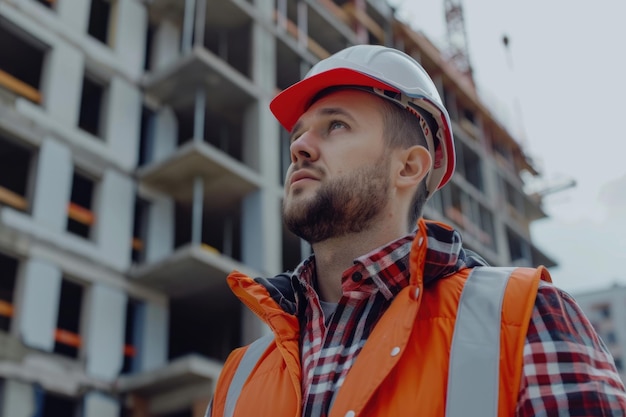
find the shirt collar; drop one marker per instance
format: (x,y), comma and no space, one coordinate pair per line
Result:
(386,269)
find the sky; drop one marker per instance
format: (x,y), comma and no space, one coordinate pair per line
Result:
(560,87)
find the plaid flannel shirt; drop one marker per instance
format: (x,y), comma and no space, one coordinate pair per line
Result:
(567,369)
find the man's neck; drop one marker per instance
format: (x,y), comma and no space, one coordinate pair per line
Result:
(334,256)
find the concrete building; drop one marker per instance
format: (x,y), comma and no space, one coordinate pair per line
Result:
(139,164)
(606,309)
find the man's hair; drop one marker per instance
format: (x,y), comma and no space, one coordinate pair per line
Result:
(402,130)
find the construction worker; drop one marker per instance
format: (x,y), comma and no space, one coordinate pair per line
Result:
(391,315)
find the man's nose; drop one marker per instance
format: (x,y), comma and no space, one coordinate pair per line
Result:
(304,147)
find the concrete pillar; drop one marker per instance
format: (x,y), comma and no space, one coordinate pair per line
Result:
(52,185)
(263,52)
(165,135)
(62,82)
(188,25)
(105,332)
(302,11)
(113,227)
(160,230)
(261,226)
(39,304)
(197,209)
(153,324)
(261,210)
(165,45)
(123,121)
(18,399)
(200,23)
(199,110)
(130,36)
(99,405)
(73,14)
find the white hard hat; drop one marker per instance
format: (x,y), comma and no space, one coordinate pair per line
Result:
(390,74)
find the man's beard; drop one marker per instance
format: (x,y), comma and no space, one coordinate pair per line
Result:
(341,206)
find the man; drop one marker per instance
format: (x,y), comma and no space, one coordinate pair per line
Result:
(387,319)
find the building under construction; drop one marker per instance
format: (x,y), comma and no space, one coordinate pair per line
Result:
(139,165)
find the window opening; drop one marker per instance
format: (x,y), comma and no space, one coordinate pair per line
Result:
(56,406)
(140,226)
(603,311)
(469,115)
(15,163)
(216,313)
(517,248)
(8,273)
(472,168)
(231,44)
(149,40)
(287,65)
(80,216)
(185,118)
(130,347)
(454,206)
(221,231)
(67,335)
(488,231)
(99,16)
(21,63)
(146,136)
(92,106)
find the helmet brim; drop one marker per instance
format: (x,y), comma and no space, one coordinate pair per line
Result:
(292,102)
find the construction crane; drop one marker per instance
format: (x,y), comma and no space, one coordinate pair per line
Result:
(458,51)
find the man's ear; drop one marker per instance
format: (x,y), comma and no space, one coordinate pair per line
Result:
(415,165)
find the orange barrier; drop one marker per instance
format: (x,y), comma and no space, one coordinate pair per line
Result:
(6,309)
(137,244)
(68,338)
(362,17)
(129,350)
(12,199)
(80,214)
(19,87)
(313,46)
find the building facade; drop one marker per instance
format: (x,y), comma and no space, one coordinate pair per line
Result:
(139,165)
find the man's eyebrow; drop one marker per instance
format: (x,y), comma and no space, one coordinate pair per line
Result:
(333,111)
(324,111)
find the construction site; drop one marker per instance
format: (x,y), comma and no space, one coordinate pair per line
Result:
(140,164)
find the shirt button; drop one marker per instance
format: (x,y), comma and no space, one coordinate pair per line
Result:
(395,351)
(357,276)
(350,413)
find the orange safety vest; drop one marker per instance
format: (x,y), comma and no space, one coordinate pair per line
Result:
(379,382)
(404,366)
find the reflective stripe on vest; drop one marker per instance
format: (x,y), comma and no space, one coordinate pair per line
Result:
(248,361)
(474,373)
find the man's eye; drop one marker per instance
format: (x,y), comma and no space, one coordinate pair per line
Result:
(337,125)
(293,137)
